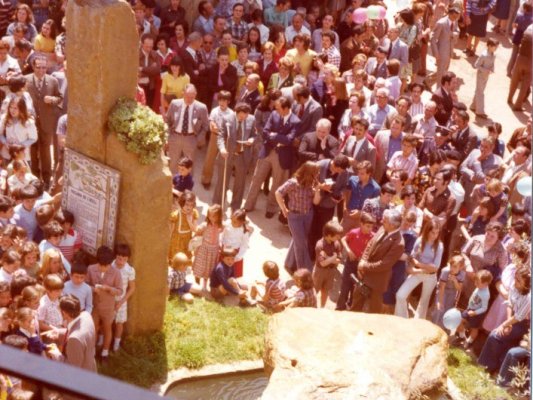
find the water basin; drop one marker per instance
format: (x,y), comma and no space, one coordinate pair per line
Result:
(230,386)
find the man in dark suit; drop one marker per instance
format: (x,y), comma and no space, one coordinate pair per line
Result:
(443,98)
(192,59)
(307,109)
(47,98)
(149,68)
(221,76)
(352,47)
(79,340)
(464,139)
(374,269)
(235,150)
(357,146)
(318,145)
(249,93)
(276,155)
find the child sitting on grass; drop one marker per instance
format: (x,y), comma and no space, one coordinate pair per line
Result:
(305,296)
(223,283)
(478,305)
(272,292)
(177,279)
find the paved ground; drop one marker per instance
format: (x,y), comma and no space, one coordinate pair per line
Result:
(270,239)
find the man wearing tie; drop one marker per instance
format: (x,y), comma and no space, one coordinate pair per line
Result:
(443,98)
(276,155)
(374,269)
(307,109)
(187,126)
(442,41)
(192,59)
(46,97)
(235,150)
(249,93)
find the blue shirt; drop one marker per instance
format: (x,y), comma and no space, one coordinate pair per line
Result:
(377,117)
(182,183)
(220,275)
(394,146)
(359,193)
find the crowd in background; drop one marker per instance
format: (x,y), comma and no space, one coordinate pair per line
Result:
(333,110)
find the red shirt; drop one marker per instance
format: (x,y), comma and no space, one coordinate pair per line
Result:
(357,241)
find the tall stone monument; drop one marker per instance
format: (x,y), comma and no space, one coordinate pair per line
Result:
(103,58)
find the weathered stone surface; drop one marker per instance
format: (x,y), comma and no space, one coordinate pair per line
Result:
(103,56)
(325,354)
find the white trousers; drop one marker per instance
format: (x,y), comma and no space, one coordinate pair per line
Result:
(429,281)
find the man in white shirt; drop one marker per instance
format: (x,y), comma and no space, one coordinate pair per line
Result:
(8,64)
(296,27)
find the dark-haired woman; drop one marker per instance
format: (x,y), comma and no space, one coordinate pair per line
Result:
(173,83)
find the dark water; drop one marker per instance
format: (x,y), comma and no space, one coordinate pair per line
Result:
(245,386)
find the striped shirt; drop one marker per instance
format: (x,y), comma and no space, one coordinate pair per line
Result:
(401,163)
(479,7)
(416,109)
(276,290)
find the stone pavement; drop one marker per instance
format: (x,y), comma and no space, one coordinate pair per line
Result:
(270,239)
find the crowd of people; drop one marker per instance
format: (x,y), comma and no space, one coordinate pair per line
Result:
(330,110)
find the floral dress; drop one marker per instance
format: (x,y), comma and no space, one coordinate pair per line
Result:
(181,234)
(206,256)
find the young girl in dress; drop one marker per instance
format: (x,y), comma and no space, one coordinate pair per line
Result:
(236,235)
(183,224)
(206,255)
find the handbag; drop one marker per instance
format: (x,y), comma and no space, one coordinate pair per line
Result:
(414,49)
(361,287)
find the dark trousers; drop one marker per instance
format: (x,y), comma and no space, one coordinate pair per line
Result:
(345,296)
(374,303)
(321,217)
(41,159)
(496,347)
(447,234)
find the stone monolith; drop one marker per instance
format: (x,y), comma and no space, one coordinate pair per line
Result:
(103,57)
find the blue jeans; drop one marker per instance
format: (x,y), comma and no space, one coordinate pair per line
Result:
(514,357)
(298,253)
(496,347)
(345,296)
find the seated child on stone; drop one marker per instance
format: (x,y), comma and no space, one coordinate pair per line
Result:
(183,180)
(222,280)
(305,296)
(478,305)
(271,292)
(328,252)
(177,279)
(449,288)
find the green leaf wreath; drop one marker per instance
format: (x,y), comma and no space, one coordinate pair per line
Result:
(142,130)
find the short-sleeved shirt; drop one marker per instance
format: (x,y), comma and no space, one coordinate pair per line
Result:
(275,289)
(359,193)
(300,198)
(357,241)
(182,183)
(400,163)
(329,248)
(176,279)
(175,86)
(49,312)
(128,275)
(445,277)
(305,298)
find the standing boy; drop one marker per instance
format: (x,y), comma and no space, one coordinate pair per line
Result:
(127,274)
(485,66)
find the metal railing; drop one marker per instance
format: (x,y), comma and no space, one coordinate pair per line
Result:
(68,380)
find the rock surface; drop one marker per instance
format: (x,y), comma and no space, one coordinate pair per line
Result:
(325,354)
(103,58)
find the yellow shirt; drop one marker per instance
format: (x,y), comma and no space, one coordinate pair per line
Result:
(305,60)
(45,45)
(232,53)
(175,86)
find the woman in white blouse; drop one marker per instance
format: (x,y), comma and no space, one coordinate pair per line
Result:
(17,127)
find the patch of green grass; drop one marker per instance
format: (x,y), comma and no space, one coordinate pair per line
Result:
(193,336)
(471,379)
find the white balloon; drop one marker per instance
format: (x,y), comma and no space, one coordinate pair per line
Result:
(451,319)
(524,186)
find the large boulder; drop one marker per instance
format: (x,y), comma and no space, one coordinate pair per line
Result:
(325,354)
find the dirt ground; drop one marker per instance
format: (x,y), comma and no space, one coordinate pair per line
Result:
(270,239)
